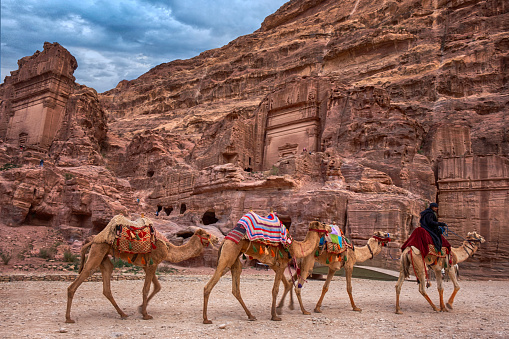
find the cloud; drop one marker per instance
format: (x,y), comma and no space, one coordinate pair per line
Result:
(122,39)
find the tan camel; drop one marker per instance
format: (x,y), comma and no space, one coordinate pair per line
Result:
(229,258)
(164,251)
(411,256)
(347,259)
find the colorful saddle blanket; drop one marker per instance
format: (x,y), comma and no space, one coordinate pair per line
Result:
(421,240)
(257,228)
(335,242)
(131,239)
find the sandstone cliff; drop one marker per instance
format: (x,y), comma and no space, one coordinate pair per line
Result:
(358,112)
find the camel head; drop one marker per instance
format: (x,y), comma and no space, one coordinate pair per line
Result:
(382,237)
(475,237)
(206,238)
(320,227)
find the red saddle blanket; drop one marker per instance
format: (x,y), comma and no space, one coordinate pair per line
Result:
(132,239)
(421,240)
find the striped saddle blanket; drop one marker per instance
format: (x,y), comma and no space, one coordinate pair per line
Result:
(257,228)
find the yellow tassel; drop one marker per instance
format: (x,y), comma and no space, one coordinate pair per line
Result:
(266,251)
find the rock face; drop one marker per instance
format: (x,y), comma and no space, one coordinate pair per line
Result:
(355,112)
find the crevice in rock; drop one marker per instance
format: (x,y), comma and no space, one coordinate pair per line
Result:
(209,217)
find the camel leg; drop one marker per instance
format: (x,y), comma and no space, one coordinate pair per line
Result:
(236,271)
(157,287)
(107,270)
(348,275)
(150,272)
(405,263)
(422,287)
(451,272)
(275,290)
(288,285)
(222,264)
(95,257)
(401,279)
(305,268)
(325,288)
(438,274)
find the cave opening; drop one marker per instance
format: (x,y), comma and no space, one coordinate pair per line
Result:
(168,210)
(209,217)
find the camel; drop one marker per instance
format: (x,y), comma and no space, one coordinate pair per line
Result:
(348,259)
(411,256)
(229,258)
(99,256)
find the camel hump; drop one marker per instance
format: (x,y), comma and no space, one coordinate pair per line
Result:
(108,234)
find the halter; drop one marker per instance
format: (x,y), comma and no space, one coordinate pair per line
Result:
(202,239)
(382,240)
(471,246)
(370,251)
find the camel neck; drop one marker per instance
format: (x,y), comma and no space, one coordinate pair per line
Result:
(301,249)
(369,251)
(465,251)
(189,250)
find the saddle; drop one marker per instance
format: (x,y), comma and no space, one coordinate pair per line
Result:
(134,240)
(433,251)
(335,242)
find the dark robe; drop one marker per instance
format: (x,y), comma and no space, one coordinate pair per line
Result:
(430,223)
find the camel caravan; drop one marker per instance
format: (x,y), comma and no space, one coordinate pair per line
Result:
(267,240)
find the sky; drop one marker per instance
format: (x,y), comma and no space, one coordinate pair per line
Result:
(113,40)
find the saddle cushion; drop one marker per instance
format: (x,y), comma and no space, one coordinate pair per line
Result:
(421,240)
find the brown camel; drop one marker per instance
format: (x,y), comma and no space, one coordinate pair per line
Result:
(411,256)
(229,258)
(99,256)
(347,259)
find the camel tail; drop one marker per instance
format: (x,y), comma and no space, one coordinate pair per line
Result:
(405,264)
(83,254)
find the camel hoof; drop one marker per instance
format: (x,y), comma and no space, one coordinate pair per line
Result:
(206,321)
(317,310)
(123,316)
(449,306)
(444,309)
(274,318)
(356,309)
(291,307)
(147,317)
(69,321)
(279,311)
(251,318)
(306,313)
(399,312)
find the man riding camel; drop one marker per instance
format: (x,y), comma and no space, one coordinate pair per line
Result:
(429,221)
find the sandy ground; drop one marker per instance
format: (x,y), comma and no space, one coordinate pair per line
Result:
(37,310)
